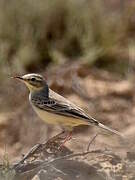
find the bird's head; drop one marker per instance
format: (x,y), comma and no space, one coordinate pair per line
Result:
(33,81)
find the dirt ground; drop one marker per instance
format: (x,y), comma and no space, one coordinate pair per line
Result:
(106,96)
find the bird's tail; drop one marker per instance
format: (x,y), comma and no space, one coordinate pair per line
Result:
(102,126)
(110,130)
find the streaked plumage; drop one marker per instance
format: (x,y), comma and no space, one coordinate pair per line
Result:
(53,108)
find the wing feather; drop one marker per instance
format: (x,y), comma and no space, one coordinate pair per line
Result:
(60,105)
(57,104)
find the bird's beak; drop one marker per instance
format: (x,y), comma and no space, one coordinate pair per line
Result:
(18,77)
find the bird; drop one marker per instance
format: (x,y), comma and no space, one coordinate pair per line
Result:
(55,109)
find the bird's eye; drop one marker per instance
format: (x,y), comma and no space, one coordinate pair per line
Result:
(33,79)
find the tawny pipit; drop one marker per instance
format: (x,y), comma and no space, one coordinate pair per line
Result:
(53,109)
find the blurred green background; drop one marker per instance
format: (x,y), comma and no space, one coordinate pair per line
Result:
(35,34)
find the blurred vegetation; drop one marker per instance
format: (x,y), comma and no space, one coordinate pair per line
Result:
(35,33)
(73,35)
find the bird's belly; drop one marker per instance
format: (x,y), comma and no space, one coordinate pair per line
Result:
(56,119)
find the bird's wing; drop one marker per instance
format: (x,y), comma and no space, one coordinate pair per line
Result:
(60,105)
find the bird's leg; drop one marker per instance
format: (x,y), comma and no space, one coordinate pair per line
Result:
(58,141)
(54,142)
(67,138)
(54,138)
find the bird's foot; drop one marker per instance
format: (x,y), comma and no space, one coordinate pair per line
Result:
(67,138)
(57,143)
